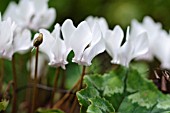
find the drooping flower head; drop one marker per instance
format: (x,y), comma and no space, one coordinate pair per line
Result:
(86,43)
(152,29)
(32,14)
(7,28)
(54,47)
(100,20)
(135,45)
(13,39)
(161,50)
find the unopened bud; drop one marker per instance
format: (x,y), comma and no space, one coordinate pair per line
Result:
(38,40)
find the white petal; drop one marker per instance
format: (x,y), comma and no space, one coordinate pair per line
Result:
(162,51)
(96,34)
(22,40)
(92,51)
(141,45)
(56,32)
(134,47)
(67,31)
(58,51)
(40,5)
(113,40)
(9,12)
(90,20)
(103,25)
(80,40)
(48,42)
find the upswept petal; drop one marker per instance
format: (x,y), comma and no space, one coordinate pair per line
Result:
(9,12)
(162,50)
(58,51)
(6,34)
(47,22)
(67,30)
(113,40)
(100,20)
(43,20)
(48,41)
(22,40)
(141,45)
(92,51)
(56,32)
(40,5)
(134,47)
(96,34)
(24,12)
(103,25)
(80,40)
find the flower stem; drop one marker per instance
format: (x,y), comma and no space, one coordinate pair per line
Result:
(80,86)
(1,74)
(14,101)
(35,82)
(55,87)
(65,97)
(82,76)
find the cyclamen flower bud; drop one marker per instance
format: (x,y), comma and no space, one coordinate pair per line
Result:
(38,40)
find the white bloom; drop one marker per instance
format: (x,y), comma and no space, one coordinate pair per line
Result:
(54,47)
(86,43)
(67,30)
(42,67)
(153,29)
(13,39)
(33,14)
(6,36)
(135,45)
(113,40)
(162,49)
(101,21)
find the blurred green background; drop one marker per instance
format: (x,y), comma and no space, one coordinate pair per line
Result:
(115,11)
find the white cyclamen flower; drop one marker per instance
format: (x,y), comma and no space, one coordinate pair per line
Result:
(54,47)
(152,29)
(7,28)
(134,46)
(161,49)
(21,42)
(100,20)
(13,39)
(86,43)
(33,14)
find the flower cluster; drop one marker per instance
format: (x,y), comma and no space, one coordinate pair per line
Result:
(90,38)
(32,14)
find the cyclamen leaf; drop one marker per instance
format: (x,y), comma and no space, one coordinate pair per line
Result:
(164,102)
(145,98)
(103,105)
(136,94)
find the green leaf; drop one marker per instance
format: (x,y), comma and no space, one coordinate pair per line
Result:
(145,98)
(3,105)
(103,105)
(122,90)
(164,102)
